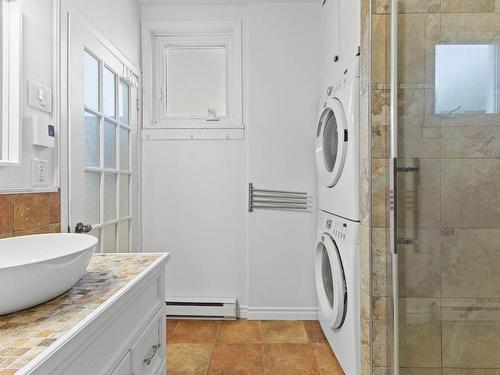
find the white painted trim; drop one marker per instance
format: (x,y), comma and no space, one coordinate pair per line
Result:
(63,105)
(192,134)
(4,191)
(56,88)
(219,2)
(11,99)
(278,313)
(242,311)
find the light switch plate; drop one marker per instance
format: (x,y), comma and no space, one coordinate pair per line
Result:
(40,170)
(39,97)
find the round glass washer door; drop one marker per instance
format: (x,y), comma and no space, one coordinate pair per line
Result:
(330,281)
(331,143)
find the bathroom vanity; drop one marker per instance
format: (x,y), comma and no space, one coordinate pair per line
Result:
(111,322)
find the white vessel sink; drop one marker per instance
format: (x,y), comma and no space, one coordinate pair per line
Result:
(35,269)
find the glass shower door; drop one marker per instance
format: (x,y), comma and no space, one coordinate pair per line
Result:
(445,221)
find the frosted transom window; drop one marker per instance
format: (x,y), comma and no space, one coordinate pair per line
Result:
(196,82)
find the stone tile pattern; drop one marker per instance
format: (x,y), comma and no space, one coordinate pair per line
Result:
(449,284)
(248,347)
(25,334)
(365,189)
(31,213)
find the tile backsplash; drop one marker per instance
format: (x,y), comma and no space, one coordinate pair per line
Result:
(31,213)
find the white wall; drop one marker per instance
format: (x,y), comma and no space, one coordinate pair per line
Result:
(193,207)
(284,80)
(118,20)
(194,195)
(195,192)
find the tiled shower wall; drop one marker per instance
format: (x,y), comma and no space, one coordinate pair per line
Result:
(449,282)
(365,191)
(32,213)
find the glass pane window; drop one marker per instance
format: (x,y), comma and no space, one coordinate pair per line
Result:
(466,79)
(92,198)
(108,92)
(109,197)
(106,143)
(124,196)
(97,234)
(91,81)
(109,145)
(108,244)
(196,82)
(92,137)
(123,237)
(123,103)
(124,149)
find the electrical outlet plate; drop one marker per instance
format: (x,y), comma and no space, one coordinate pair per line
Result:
(40,170)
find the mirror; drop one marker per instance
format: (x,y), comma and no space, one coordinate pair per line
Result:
(466,80)
(10,81)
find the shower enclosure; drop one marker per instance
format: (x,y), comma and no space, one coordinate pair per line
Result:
(444,186)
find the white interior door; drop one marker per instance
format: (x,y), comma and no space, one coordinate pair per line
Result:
(102,126)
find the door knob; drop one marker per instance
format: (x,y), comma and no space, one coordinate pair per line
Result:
(83,228)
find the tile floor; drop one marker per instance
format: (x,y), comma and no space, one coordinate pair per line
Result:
(248,347)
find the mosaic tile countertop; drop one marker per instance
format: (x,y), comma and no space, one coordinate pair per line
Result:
(25,334)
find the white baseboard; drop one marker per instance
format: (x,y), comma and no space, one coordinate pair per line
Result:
(277,313)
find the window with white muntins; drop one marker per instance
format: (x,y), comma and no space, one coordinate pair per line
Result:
(197,79)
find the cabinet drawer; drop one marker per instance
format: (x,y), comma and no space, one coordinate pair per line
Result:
(148,353)
(124,367)
(163,369)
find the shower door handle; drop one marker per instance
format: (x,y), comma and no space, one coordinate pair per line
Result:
(393,201)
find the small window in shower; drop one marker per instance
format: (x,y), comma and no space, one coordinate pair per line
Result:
(467,79)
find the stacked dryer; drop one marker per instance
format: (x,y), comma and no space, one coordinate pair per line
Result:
(337,249)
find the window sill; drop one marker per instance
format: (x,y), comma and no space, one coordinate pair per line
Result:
(158,134)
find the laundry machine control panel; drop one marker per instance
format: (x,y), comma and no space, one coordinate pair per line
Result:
(340,229)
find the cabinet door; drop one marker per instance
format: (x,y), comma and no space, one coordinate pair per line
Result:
(148,353)
(124,367)
(331,36)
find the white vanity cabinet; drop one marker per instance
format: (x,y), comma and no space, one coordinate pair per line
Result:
(125,335)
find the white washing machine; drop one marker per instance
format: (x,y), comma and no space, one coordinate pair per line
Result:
(337,146)
(338,288)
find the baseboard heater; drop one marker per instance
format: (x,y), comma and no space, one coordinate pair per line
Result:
(201,308)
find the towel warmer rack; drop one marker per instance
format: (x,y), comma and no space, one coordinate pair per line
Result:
(267,199)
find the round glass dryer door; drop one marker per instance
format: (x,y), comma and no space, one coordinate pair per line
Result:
(331,143)
(330,281)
